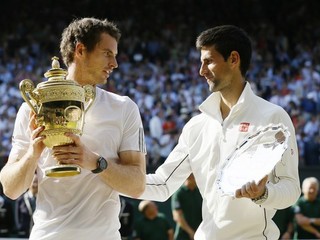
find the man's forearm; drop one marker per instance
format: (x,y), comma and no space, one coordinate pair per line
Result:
(179,218)
(310,229)
(126,179)
(314,221)
(185,226)
(16,176)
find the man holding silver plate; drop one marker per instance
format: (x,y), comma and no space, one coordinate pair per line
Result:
(241,149)
(74,204)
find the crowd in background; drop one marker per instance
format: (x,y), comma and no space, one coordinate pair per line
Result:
(159,65)
(158,62)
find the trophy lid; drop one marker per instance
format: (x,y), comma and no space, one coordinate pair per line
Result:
(56,76)
(57,87)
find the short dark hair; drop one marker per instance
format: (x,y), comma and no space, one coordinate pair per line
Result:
(86,31)
(225,39)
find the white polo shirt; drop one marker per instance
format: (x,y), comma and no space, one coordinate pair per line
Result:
(82,206)
(204,145)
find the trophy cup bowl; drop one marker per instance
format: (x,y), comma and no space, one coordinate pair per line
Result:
(59,105)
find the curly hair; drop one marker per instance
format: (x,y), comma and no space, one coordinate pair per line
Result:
(86,31)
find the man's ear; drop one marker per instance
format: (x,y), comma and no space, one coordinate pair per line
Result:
(234,57)
(79,49)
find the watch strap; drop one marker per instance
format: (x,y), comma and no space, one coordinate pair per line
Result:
(262,198)
(100,168)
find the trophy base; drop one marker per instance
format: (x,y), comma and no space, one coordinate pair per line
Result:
(63,171)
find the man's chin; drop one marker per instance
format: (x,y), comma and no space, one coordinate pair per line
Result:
(103,81)
(211,87)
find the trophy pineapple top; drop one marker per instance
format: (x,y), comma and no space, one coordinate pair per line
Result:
(55,72)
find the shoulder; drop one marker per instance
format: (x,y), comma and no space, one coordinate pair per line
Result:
(195,127)
(162,217)
(114,102)
(114,98)
(262,107)
(178,193)
(24,110)
(21,122)
(196,122)
(252,100)
(301,201)
(263,103)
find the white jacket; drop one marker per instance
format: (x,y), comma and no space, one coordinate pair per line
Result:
(204,144)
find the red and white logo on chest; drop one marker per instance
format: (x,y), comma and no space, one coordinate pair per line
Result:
(244,127)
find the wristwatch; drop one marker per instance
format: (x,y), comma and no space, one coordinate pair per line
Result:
(262,198)
(102,164)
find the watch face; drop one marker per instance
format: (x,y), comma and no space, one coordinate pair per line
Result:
(103,164)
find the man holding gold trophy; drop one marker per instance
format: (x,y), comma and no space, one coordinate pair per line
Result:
(85,148)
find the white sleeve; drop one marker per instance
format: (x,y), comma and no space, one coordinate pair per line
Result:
(21,133)
(284,186)
(133,134)
(170,175)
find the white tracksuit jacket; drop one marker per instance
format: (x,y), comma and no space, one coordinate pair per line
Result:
(203,146)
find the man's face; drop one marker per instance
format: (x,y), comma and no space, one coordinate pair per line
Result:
(215,69)
(310,191)
(151,211)
(99,64)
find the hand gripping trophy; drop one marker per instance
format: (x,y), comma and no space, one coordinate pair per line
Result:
(59,105)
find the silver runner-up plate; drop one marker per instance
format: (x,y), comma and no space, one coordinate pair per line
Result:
(253,159)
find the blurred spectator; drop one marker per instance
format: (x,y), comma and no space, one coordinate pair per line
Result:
(169,138)
(153,225)
(301,147)
(285,66)
(294,112)
(307,211)
(309,75)
(312,150)
(186,204)
(154,154)
(311,127)
(155,123)
(126,219)
(6,215)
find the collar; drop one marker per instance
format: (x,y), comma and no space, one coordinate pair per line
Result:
(211,106)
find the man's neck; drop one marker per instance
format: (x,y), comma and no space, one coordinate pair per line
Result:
(230,98)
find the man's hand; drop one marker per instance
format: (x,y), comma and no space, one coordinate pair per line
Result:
(76,153)
(252,190)
(36,146)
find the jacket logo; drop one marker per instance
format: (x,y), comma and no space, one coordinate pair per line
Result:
(244,127)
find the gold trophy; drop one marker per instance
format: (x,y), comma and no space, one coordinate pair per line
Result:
(59,105)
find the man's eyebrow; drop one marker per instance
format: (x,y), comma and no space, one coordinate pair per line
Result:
(109,51)
(206,58)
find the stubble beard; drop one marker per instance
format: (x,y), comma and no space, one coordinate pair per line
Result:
(211,86)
